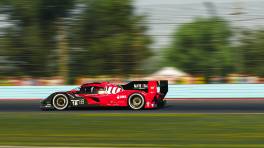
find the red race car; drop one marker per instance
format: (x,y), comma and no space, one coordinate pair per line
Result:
(135,95)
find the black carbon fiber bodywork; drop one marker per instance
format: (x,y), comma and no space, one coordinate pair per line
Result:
(73,101)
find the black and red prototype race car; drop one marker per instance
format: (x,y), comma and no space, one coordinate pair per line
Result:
(135,95)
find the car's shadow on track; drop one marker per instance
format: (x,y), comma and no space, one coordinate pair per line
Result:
(171,107)
(105,109)
(34,106)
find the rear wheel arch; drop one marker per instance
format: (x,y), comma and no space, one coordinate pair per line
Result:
(136,106)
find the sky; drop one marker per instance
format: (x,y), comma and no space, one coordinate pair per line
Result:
(165,16)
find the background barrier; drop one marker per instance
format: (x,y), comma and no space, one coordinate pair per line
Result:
(175,91)
(216,91)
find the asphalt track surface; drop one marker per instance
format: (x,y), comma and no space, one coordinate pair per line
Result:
(173,106)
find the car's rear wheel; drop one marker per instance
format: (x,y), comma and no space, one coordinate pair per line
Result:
(136,101)
(60,102)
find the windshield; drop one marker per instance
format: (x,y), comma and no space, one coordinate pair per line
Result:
(92,90)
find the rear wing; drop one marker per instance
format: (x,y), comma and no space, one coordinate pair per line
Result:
(163,87)
(148,86)
(136,85)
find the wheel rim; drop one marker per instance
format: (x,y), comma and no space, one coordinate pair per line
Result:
(136,102)
(60,102)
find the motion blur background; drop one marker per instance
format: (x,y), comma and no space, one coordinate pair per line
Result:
(59,42)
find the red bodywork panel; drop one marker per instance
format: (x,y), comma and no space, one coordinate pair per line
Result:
(108,94)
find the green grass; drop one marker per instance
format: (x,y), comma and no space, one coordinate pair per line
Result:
(132,130)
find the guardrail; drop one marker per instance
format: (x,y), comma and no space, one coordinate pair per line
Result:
(216,91)
(175,91)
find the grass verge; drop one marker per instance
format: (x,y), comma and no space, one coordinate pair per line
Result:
(132,130)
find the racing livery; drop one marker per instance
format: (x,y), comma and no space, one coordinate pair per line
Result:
(135,95)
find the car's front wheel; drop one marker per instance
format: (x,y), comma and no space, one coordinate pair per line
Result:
(136,101)
(60,102)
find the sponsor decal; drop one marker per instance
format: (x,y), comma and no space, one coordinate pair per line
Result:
(77,102)
(121,96)
(113,90)
(141,86)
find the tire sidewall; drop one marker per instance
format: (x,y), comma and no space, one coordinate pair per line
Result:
(131,97)
(55,106)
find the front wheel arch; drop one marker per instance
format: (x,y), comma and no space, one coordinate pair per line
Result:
(63,97)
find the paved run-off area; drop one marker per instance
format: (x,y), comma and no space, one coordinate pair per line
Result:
(131,130)
(173,106)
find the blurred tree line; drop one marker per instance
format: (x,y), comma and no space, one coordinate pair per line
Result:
(30,42)
(211,47)
(88,37)
(99,36)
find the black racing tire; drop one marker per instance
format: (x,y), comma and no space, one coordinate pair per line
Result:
(60,101)
(136,101)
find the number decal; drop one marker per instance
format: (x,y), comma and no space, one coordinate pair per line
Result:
(77,102)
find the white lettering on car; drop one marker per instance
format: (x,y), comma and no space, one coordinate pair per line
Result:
(121,96)
(141,86)
(77,102)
